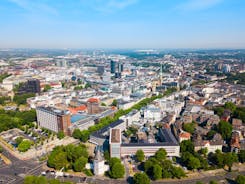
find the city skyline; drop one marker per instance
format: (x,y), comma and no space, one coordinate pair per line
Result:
(122,24)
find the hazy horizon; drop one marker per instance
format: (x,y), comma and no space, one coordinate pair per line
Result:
(122,24)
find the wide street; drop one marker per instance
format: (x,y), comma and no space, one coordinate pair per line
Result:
(15,172)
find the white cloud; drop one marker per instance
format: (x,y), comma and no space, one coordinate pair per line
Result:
(198,4)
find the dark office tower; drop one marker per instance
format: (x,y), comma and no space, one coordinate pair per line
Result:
(31,86)
(34,85)
(113,66)
(120,67)
(100,69)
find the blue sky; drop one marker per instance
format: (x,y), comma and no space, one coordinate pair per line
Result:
(122,24)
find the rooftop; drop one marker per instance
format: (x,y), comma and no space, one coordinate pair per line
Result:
(115,136)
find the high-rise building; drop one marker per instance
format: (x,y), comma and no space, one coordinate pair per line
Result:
(54,119)
(31,86)
(113,66)
(226,68)
(34,85)
(101,69)
(115,143)
(120,67)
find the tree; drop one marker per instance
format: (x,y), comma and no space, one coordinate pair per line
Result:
(148,165)
(193,163)
(211,134)
(187,146)
(35,180)
(24,145)
(29,179)
(157,172)
(54,181)
(60,135)
(219,111)
(21,99)
(107,155)
(103,104)
(140,156)
(114,103)
(1,149)
(231,106)
(87,85)
(47,87)
(229,159)
(161,154)
(80,164)
(18,140)
(225,129)
(219,157)
(79,151)
(240,179)
(199,182)
(189,127)
(76,88)
(60,161)
(241,156)
(84,135)
(117,171)
(177,172)
(76,134)
(213,182)
(140,178)
(203,151)
(113,161)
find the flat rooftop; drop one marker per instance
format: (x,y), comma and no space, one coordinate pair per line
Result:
(115,136)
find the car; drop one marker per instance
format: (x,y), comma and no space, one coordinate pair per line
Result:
(43,173)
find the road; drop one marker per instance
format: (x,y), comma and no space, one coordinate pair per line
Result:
(13,173)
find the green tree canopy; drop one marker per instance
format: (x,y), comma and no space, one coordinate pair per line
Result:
(187,146)
(114,103)
(18,140)
(141,178)
(24,145)
(193,163)
(161,154)
(47,87)
(76,134)
(140,156)
(157,172)
(229,159)
(117,171)
(231,106)
(178,172)
(60,135)
(189,127)
(80,164)
(240,179)
(113,161)
(225,129)
(241,156)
